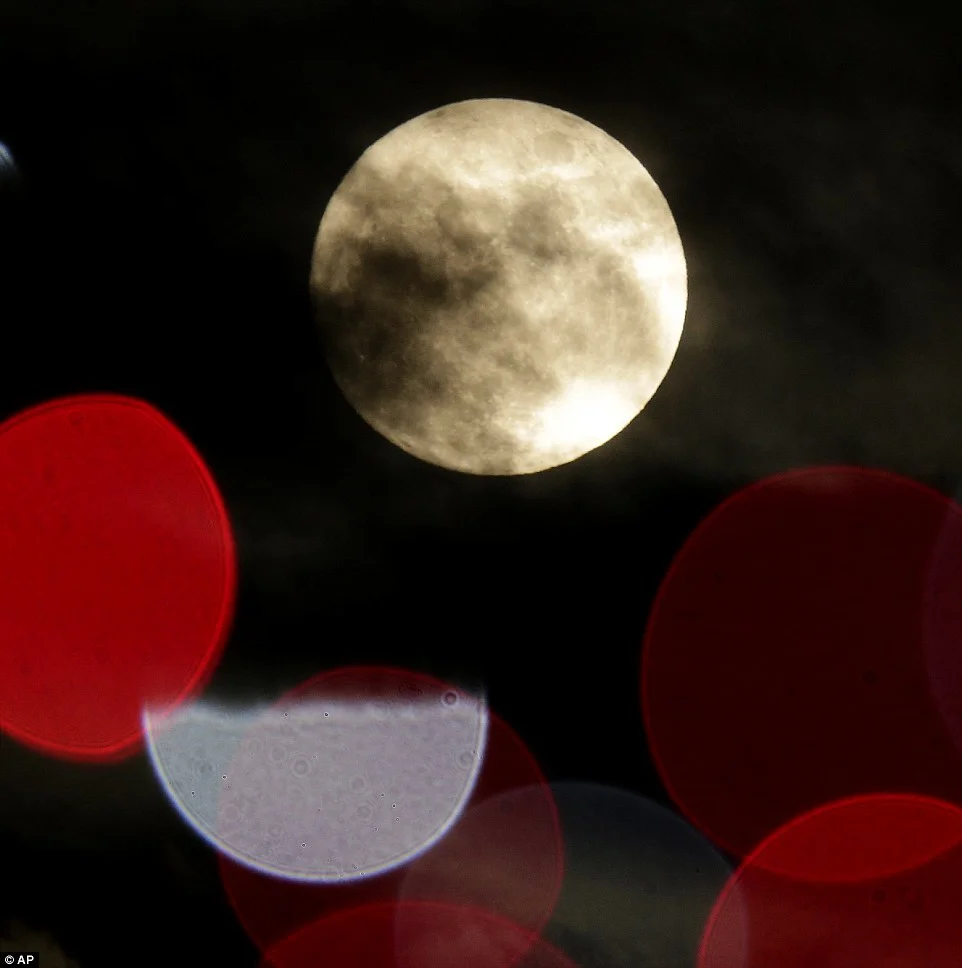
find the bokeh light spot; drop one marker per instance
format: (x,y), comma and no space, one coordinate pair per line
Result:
(784,664)
(413,935)
(314,784)
(872,880)
(943,622)
(118,573)
(509,862)
(640,881)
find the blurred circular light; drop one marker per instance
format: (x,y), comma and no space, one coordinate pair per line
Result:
(784,666)
(943,622)
(412,935)
(118,574)
(640,881)
(309,800)
(871,880)
(518,849)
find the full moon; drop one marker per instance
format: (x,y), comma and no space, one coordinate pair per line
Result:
(499,285)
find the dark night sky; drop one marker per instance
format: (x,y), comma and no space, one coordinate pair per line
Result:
(176,159)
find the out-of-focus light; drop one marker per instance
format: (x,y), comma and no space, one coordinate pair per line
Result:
(118,574)
(784,664)
(870,880)
(323,789)
(8,167)
(412,935)
(504,854)
(639,884)
(943,621)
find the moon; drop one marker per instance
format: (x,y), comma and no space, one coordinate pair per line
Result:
(499,285)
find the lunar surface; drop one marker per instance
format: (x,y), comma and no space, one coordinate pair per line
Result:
(499,285)
(321,791)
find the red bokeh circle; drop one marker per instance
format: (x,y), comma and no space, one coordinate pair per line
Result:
(784,664)
(118,575)
(525,847)
(412,935)
(871,880)
(943,622)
